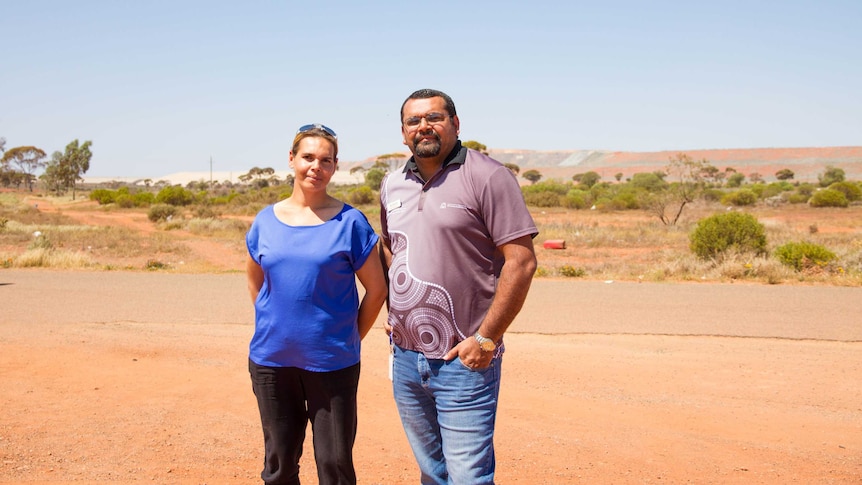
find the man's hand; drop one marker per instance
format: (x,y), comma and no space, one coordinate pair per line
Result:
(471,354)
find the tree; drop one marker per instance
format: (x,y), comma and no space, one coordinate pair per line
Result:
(475,145)
(755,177)
(66,169)
(830,176)
(687,177)
(513,167)
(28,159)
(390,162)
(735,179)
(589,178)
(532,175)
(618,176)
(784,174)
(649,181)
(711,173)
(374,177)
(2,144)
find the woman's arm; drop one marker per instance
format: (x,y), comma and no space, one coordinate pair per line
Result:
(254,274)
(372,279)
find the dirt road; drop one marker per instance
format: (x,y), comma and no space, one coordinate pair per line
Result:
(121,377)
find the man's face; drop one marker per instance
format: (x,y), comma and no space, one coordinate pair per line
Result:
(427,128)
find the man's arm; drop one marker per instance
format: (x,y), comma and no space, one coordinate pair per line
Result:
(512,287)
(386,261)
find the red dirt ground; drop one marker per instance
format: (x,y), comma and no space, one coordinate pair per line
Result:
(120,377)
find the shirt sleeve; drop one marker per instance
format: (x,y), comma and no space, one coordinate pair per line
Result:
(363,240)
(504,210)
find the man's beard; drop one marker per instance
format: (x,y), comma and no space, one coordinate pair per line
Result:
(426,148)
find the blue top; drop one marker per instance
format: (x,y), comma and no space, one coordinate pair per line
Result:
(307,309)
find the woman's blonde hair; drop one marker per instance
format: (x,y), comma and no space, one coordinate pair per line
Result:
(319,131)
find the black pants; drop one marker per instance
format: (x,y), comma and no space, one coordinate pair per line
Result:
(288,398)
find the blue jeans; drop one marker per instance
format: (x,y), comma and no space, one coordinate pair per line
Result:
(448,412)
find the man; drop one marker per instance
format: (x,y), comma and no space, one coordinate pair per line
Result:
(458,244)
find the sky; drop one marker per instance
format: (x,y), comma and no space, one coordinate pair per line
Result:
(161,87)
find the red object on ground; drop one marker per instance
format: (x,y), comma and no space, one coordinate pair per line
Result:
(555,244)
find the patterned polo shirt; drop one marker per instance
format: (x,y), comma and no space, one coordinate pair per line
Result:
(444,234)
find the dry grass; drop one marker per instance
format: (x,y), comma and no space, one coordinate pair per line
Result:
(622,245)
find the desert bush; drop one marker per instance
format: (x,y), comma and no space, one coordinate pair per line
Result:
(551,185)
(175,195)
(850,190)
(712,195)
(125,201)
(161,212)
(735,180)
(828,198)
(543,199)
(144,199)
(576,199)
(806,189)
(797,198)
(803,255)
(103,196)
(736,231)
(740,198)
(571,271)
(775,188)
(360,195)
(50,258)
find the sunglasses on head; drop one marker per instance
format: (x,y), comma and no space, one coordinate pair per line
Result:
(328,130)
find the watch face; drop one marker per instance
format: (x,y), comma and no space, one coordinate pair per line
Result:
(488,345)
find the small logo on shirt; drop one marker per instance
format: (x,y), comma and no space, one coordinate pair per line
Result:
(445,205)
(395,204)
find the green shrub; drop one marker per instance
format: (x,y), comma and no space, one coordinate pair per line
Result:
(712,195)
(717,234)
(850,190)
(806,189)
(803,255)
(828,198)
(552,185)
(144,199)
(626,200)
(361,195)
(103,196)
(161,212)
(797,198)
(543,199)
(571,271)
(175,195)
(774,189)
(576,199)
(740,198)
(125,201)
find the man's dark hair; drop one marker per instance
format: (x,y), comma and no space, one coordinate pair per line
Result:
(431,93)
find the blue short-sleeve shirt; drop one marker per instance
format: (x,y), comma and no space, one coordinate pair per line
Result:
(306,312)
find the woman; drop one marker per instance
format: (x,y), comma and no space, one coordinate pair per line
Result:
(305,253)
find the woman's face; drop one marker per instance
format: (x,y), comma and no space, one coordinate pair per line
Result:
(313,163)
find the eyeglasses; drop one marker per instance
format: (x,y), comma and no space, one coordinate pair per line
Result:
(431,118)
(329,131)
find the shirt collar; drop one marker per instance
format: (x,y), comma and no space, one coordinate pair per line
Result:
(458,155)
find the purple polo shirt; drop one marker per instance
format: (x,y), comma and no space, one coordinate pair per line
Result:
(444,235)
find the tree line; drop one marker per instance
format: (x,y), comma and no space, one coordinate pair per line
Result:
(62,172)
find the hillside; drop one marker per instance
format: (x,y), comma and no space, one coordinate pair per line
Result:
(806,163)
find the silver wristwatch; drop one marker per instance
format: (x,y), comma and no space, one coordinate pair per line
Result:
(486,344)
